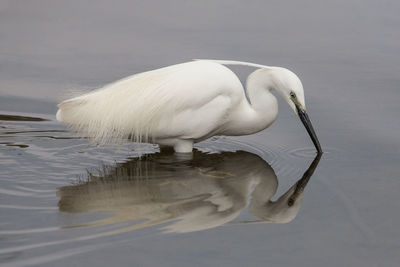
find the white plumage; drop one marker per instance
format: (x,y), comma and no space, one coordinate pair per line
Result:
(181,104)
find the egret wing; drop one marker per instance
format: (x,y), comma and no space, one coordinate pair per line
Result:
(146,104)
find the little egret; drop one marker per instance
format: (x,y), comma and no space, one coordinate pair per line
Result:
(186,103)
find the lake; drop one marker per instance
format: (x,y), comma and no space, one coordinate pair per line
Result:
(257,200)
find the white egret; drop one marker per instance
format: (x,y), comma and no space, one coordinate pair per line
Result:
(182,104)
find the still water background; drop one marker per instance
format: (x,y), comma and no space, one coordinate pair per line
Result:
(345,52)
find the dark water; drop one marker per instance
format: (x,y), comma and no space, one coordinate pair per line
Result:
(234,202)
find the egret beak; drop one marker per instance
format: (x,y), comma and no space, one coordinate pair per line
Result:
(307,123)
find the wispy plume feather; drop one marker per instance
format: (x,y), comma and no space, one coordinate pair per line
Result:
(126,109)
(232,62)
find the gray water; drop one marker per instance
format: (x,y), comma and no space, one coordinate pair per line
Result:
(240,201)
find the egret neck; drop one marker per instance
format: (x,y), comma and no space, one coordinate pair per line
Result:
(261,108)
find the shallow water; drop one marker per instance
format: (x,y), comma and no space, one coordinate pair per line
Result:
(237,200)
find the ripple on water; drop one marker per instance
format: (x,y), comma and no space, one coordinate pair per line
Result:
(276,155)
(6,117)
(230,144)
(279,156)
(52,158)
(329,153)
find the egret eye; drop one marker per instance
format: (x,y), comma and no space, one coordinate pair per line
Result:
(292,94)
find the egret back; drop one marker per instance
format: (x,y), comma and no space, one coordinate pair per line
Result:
(135,106)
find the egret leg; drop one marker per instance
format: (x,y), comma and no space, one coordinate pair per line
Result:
(183,146)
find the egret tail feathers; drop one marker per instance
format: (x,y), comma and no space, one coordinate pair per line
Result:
(130,108)
(67,110)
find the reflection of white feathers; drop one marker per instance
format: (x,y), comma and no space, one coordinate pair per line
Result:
(208,191)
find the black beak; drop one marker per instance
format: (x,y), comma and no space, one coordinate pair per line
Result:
(307,123)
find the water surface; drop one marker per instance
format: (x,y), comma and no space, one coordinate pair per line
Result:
(237,200)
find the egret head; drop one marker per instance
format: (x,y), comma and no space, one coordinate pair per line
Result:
(289,86)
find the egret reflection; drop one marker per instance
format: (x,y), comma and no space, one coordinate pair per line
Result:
(192,193)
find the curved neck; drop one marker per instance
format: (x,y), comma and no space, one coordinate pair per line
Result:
(264,103)
(258,90)
(249,118)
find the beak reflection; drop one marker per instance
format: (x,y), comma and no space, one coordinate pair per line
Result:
(307,124)
(301,184)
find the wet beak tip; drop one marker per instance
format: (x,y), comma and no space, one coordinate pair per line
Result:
(307,124)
